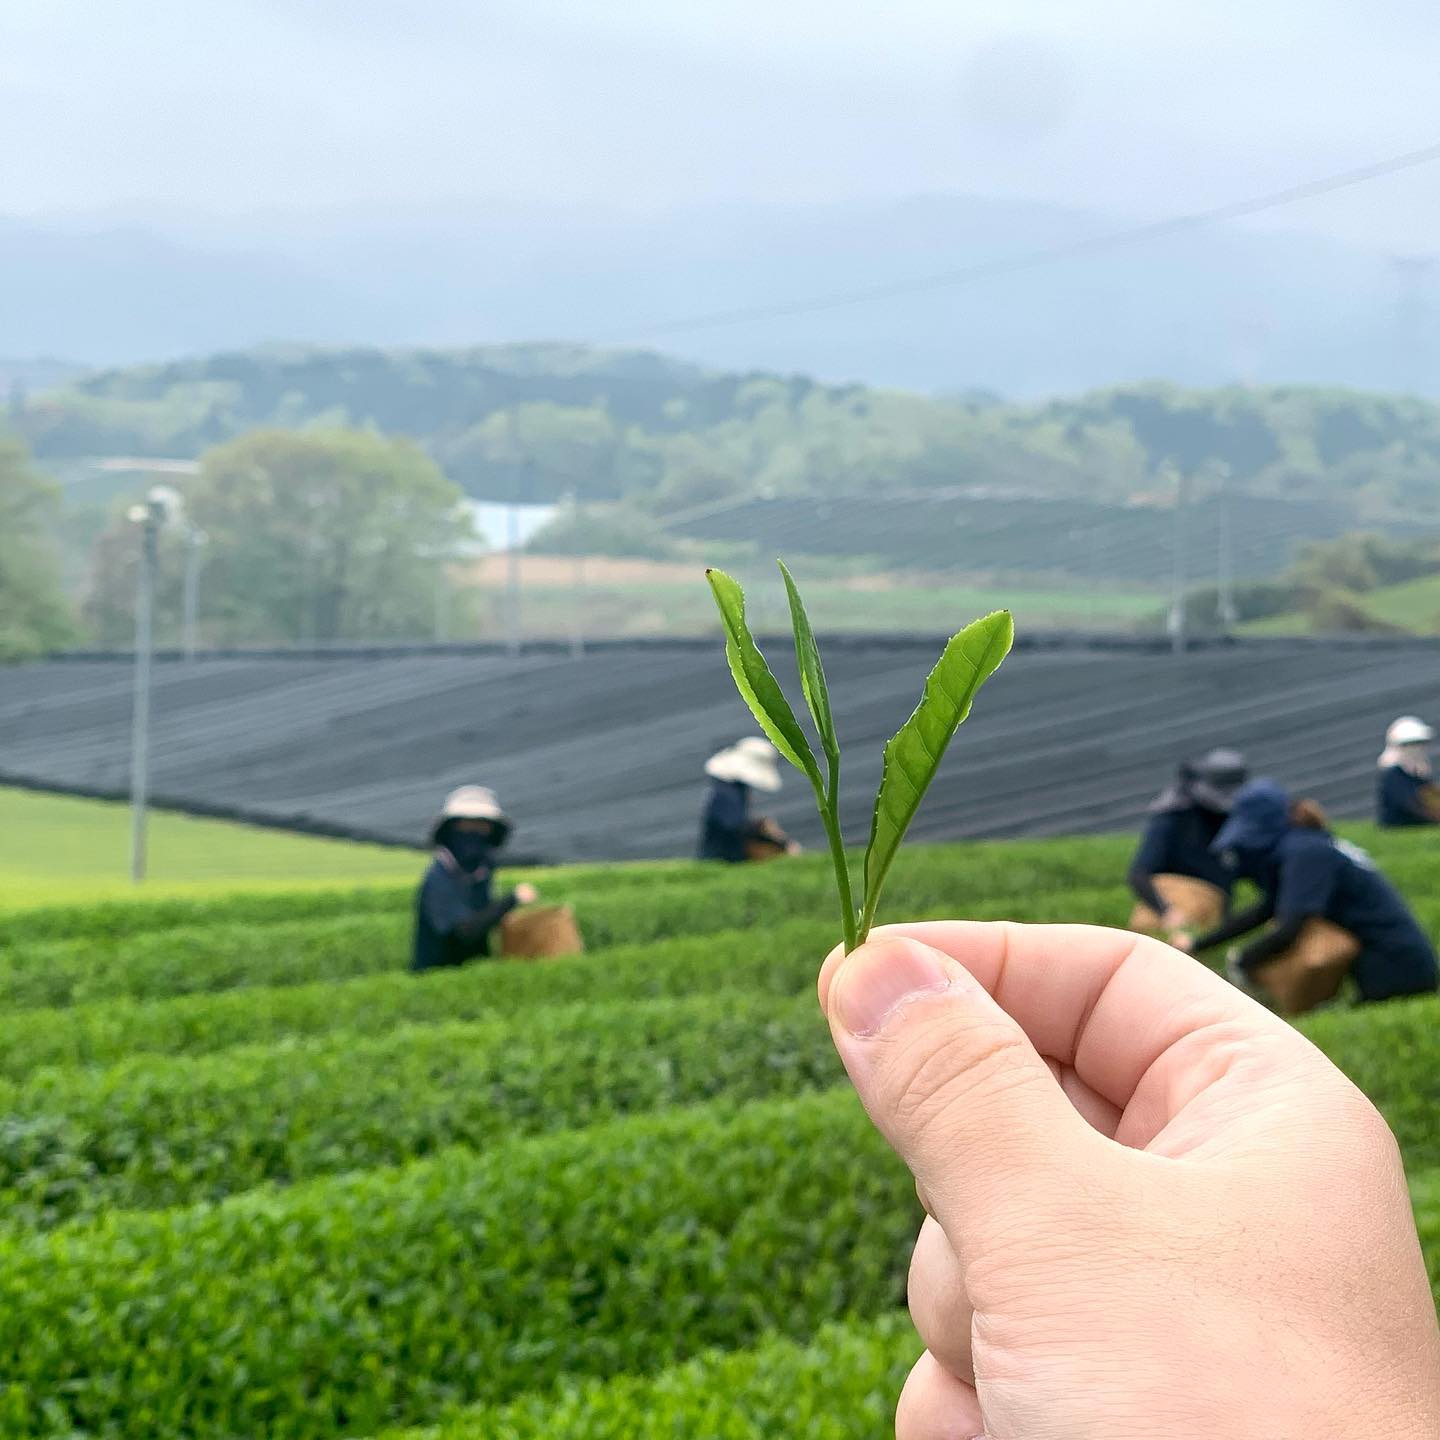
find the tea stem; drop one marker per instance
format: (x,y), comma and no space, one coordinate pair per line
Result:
(830,818)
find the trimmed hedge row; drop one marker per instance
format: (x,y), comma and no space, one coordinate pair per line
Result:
(842,1385)
(155,1133)
(989,869)
(106,921)
(211,958)
(103,922)
(106,1032)
(387,1299)
(783,961)
(391,1298)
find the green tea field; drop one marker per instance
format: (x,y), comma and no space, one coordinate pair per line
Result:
(257,1180)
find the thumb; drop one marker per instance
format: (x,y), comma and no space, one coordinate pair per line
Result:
(954,1084)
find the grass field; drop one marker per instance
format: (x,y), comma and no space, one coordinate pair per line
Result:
(618,608)
(55,848)
(257,1180)
(1413,606)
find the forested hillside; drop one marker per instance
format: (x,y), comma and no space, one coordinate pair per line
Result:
(542,421)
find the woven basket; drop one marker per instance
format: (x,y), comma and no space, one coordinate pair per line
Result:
(540,931)
(1201,903)
(1310,971)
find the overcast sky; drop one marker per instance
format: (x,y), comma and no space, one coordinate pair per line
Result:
(1137,106)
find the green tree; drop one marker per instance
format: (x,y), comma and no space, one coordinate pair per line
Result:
(320,535)
(537,453)
(34,615)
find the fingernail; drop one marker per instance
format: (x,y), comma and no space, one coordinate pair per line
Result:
(880,977)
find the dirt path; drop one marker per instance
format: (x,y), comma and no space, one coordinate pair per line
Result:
(553,571)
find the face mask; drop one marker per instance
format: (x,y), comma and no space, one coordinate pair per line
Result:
(471,851)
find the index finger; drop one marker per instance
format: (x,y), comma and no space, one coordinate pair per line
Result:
(1115,1007)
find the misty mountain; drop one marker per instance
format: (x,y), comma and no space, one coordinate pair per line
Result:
(1198,308)
(22,373)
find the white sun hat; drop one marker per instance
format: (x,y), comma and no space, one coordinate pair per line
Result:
(471,802)
(1409,730)
(752,761)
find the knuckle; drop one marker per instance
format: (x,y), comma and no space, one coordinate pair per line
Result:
(938,1070)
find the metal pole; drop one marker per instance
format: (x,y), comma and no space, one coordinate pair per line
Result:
(1178,617)
(194,544)
(140,718)
(512,579)
(577,634)
(442,603)
(1225,564)
(1096,579)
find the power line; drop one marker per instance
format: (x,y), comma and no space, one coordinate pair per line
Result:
(1035,259)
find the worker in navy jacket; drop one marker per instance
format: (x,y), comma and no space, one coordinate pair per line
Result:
(1184,820)
(1405,790)
(455,910)
(1303,872)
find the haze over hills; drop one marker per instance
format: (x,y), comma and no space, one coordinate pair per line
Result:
(1202,308)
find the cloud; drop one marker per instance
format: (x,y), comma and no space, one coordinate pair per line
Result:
(233,105)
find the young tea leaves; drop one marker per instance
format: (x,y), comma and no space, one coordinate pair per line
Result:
(914,754)
(817,697)
(911,757)
(757,686)
(812,676)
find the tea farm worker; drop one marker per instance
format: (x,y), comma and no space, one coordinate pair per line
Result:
(728,826)
(1086,1113)
(455,911)
(1406,791)
(1304,873)
(1178,880)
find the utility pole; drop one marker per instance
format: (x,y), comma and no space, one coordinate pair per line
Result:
(577,633)
(570,505)
(512,578)
(1225,559)
(151,517)
(195,542)
(442,603)
(512,541)
(1178,616)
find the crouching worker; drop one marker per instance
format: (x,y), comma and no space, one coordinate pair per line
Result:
(455,911)
(728,829)
(1180,883)
(1334,913)
(1406,793)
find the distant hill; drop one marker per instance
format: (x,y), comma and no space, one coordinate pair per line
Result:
(539,422)
(22,374)
(1202,308)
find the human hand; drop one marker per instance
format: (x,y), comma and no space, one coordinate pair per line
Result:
(526,893)
(1153,1208)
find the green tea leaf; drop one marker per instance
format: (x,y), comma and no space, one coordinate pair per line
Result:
(913,756)
(812,674)
(817,697)
(757,686)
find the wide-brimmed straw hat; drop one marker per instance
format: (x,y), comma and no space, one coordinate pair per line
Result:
(471,802)
(1409,730)
(752,761)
